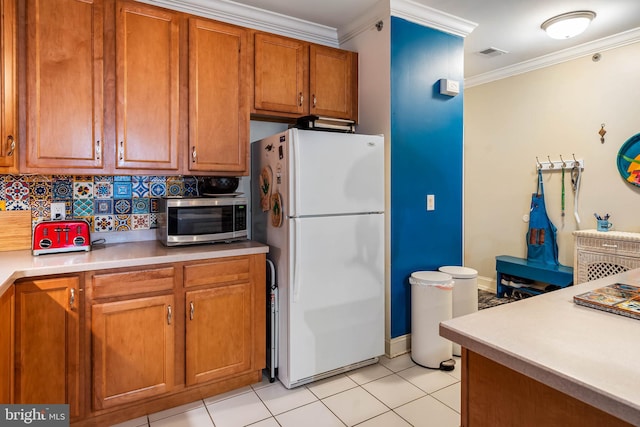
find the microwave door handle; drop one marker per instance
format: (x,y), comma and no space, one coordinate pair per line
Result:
(296,260)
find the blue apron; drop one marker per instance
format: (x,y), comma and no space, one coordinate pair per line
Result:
(542,244)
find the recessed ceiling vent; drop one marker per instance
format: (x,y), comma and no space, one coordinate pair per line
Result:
(493,51)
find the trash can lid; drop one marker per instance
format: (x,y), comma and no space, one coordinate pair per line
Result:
(458,272)
(431,278)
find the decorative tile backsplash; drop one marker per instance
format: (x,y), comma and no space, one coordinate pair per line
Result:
(108,203)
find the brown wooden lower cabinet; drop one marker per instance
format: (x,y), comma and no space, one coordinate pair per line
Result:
(121,343)
(133,350)
(494,395)
(47,342)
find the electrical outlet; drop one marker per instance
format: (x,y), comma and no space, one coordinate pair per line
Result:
(431,202)
(57,211)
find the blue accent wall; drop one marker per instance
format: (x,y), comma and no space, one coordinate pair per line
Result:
(426,158)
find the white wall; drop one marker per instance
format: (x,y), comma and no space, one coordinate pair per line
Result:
(549,112)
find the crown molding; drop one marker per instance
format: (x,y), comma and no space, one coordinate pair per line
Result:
(253,17)
(379,12)
(606,43)
(433,18)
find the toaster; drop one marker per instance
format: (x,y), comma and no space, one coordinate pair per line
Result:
(51,237)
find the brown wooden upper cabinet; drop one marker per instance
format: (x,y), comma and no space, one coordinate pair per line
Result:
(8,143)
(147,82)
(293,78)
(64,83)
(218,97)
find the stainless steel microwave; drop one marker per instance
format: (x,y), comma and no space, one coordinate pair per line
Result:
(194,220)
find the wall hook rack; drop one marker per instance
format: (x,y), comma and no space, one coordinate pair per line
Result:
(558,165)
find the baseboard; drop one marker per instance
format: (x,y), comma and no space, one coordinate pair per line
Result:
(398,346)
(487,284)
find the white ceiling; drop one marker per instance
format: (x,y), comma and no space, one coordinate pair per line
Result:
(510,25)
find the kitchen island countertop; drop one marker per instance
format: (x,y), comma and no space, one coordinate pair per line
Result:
(589,354)
(18,264)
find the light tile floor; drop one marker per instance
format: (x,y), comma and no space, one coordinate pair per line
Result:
(392,393)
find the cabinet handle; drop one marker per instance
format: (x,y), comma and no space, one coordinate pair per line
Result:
(169,314)
(191,310)
(193,154)
(301,99)
(121,150)
(314,101)
(72,298)
(11,143)
(98,153)
(605,245)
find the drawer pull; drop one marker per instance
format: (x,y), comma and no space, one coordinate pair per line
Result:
(169,314)
(11,143)
(191,310)
(72,299)
(605,245)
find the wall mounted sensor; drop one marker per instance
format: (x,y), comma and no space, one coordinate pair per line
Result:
(449,87)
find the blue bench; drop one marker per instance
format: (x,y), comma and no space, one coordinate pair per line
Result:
(558,275)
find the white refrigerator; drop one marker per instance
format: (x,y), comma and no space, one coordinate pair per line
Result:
(318,202)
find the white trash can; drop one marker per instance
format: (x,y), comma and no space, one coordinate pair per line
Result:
(465,293)
(431,303)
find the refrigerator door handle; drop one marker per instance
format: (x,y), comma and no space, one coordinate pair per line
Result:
(296,258)
(294,200)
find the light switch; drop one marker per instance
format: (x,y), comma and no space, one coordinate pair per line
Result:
(431,202)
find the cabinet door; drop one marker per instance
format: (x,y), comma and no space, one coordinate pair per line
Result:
(147,87)
(47,342)
(64,108)
(219,339)
(8,143)
(6,345)
(332,82)
(281,74)
(218,97)
(133,350)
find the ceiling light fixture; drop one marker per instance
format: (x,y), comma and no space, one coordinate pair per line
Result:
(568,24)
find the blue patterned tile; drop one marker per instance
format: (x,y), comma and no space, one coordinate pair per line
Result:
(122,190)
(103,207)
(175,188)
(153,220)
(62,189)
(102,179)
(153,206)
(83,190)
(157,189)
(162,179)
(140,205)
(140,186)
(82,208)
(18,205)
(102,190)
(122,178)
(122,206)
(122,222)
(40,190)
(190,186)
(103,223)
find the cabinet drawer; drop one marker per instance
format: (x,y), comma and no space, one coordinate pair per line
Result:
(607,245)
(120,283)
(227,270)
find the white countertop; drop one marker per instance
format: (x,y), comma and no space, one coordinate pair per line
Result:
(589,354)
(17,264)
